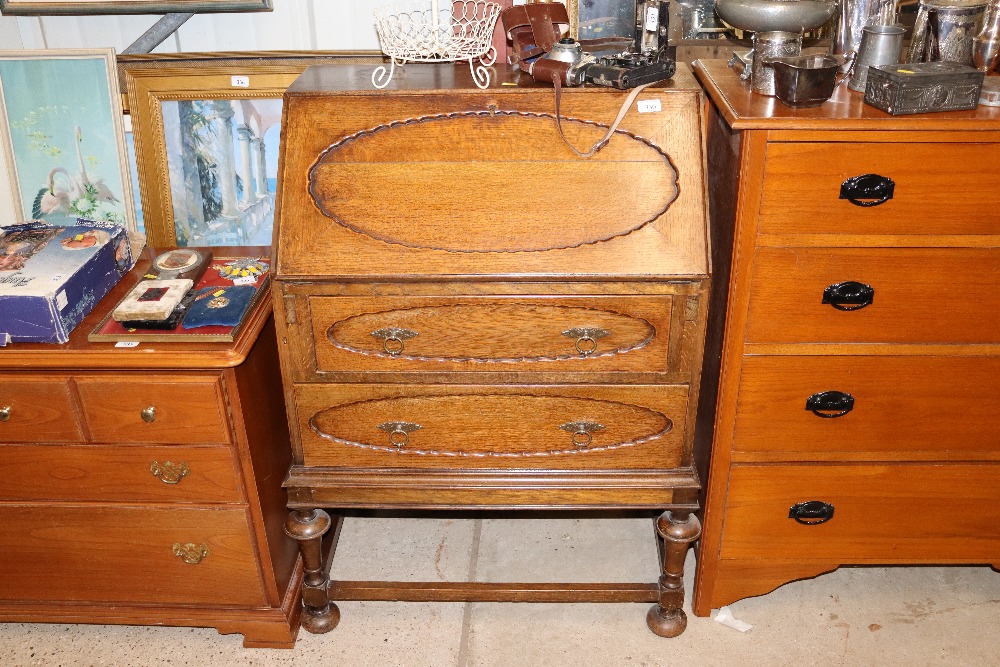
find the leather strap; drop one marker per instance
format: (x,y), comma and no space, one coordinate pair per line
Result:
(533,29)
(601,143)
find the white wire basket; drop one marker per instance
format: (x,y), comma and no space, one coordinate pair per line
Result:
(429,31)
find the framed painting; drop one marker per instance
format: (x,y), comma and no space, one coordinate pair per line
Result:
(63,137)
(207,135)
(80,7)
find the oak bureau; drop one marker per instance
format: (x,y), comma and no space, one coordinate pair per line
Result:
(471,316)
(143,485)
(858,412)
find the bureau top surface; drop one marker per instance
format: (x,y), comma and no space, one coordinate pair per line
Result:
(845,110)
(432,178)
(81,354)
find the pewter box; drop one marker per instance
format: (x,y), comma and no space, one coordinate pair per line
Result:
(923,87)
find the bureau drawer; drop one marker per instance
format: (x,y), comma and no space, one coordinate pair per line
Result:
(154,409)
(881,513)
(577,334)
(129,474)
(38,410)
(126,554)
(938,188)
(566,427)
(822,408)
(920,295)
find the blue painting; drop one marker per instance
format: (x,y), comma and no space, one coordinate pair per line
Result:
(222,161)
(63,137)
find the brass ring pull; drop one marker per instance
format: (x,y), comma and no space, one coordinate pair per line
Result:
(586,345)
(393,339)
(397,345)
(168,472)
(586,338)
(580,432)
(148,414)
(5,413)
(190,553)
(399,432)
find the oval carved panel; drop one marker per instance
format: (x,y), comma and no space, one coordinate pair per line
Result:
(498,182)
(509,425)
(494,332)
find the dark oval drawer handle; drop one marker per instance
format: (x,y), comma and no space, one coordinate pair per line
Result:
(850,295)
(867,189)
(811,512)
(830,404)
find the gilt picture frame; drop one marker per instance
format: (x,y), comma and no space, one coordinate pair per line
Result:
(82,7)
(207,137)
(62,136)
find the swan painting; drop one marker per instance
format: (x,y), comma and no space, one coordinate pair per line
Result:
(72,194)
(61,128)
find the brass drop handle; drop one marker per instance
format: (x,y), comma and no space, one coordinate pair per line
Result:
(169,472)
(399,432)
(580,432)
(191,553)
(148,414)
(5,413)
(586,338)
(394,339)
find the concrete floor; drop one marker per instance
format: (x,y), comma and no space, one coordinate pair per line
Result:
(854,616)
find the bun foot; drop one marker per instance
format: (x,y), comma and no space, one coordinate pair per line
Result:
(320,621)
(666,623)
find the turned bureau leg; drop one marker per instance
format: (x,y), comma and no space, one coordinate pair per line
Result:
(678,530)
(307,527)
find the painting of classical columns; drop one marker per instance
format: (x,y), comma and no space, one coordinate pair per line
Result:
(222,160)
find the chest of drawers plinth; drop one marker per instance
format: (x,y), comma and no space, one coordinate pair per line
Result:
(474,317)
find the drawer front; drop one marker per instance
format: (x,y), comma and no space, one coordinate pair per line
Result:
(154,409)
(881,513)
(538,427)
(822,407)
(38,410)
(128,474)
(577,334)
(121,554)
(937,188)
(919,295)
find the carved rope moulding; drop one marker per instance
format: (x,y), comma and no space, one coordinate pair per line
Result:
(481,426)
(399,183)
(457,326)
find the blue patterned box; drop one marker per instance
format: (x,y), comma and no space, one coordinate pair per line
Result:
(51,277)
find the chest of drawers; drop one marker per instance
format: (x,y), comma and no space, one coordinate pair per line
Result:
(471,316)
(857,396)
(143,485)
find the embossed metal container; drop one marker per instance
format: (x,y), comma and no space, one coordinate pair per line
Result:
(923,87)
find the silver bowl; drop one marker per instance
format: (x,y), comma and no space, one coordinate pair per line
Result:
(775,15)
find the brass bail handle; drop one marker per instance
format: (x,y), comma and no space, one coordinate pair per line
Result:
(191,553)
(169,472)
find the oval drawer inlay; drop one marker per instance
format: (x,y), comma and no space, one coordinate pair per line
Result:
(481,426)
(625,186)
(494,332)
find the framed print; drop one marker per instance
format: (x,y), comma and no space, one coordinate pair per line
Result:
(79,7)
(63,137)
(207,140)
